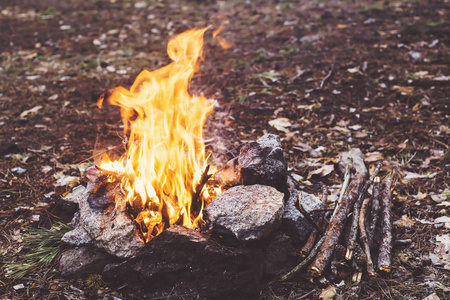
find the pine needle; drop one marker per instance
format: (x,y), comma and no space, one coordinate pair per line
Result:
(42,247)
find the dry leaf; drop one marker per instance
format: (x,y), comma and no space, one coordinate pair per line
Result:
(328,293)
(374,156)
(32,111)
(405,221)
(442,251)
(322,171)
(433,296)
(411,176)
(281,124)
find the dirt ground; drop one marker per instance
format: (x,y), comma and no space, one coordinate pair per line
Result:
(325,76)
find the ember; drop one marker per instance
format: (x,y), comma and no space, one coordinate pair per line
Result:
(165,158)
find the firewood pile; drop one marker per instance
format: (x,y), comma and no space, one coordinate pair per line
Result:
(344,238)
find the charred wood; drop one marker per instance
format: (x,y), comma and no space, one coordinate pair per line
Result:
(197,200)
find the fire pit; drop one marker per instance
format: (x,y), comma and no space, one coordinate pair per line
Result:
(160,221)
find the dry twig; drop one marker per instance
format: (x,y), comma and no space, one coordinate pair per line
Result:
(356,210)
(304,262)
(384,256)
(334,230)
(363,234)
(374,211)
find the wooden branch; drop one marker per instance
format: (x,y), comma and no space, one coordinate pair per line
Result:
(356,210)
(335,229)
(374,211)
(384,256)
(197,202)
(308,216)
(347,178)
(314,233)
(305,262)
(365,241)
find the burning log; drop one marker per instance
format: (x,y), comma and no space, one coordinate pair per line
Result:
(197,201)
(314,233)
(356,210)
(335,229)
(374,211)
(364,239)
(384,256)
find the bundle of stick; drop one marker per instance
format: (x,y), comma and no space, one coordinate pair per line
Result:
(351,228)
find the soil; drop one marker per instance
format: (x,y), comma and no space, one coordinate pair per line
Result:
(333,75)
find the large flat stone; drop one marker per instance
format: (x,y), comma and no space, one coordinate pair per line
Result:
(246,213)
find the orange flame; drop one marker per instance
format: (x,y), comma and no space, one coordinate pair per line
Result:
(165,156)
(222,42)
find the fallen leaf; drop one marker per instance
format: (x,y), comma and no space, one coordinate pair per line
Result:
(63,180)
(373,156)
(281,124)
(354,70)
(328,293)
(442,251)
(404,90)
(306,148)
(32,111)
(412,176)
(420,196)
(405,222)
(433,296)
(441,197)
(322,171)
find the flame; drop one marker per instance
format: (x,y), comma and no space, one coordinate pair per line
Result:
(165,156)
(222,42)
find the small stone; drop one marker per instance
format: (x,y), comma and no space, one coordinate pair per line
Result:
(18,170)
(358,161)
(19,286)
(262,162)
(246,212)
(294,223)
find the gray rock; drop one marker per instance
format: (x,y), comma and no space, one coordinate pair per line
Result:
(182,263)
(262,162)
(358,161)
(77,237)
(110,229)
(281,255)
(246,212)
(294,223)
(82,261)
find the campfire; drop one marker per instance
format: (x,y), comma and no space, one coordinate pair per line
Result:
(161,171)
(160,221)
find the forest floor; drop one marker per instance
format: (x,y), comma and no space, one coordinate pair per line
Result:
(325,76)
